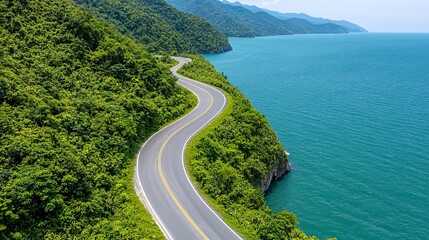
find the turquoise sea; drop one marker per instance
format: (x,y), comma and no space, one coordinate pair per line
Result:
(353,112)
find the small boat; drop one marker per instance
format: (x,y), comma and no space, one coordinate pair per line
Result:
(287,153)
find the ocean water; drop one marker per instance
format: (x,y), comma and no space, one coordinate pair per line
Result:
(353,112)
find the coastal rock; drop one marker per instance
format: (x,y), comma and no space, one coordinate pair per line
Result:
(281,168)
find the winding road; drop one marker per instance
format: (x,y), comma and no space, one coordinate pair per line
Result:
(161,179)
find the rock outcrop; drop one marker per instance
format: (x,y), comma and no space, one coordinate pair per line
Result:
(281,168)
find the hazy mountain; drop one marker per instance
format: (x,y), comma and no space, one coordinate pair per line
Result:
(237,21)
(351,27)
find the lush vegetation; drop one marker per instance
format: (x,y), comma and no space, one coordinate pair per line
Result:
(76,100)
(233,157)
(237,21)
(159,26)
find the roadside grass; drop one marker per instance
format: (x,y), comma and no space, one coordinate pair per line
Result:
(191,148)
(135,211)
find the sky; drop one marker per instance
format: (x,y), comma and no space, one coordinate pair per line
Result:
(373,15)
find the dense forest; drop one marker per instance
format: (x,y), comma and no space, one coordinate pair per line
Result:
(76,100)
(237,21)
(160,27)
(232,158)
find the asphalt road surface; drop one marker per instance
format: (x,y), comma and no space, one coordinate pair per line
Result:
(162,181)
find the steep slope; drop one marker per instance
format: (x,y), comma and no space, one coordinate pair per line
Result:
(351,27)
(233,21)
(237,21)
(159,26)
(76,97)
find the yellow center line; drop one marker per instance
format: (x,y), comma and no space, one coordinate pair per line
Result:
(162,174)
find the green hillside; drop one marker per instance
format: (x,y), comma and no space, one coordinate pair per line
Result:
(237,21)
(160,27)
(76,99)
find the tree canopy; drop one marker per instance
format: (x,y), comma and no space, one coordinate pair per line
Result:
(76,98)
(159,26)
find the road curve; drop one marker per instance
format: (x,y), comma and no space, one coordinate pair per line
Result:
(161,179)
